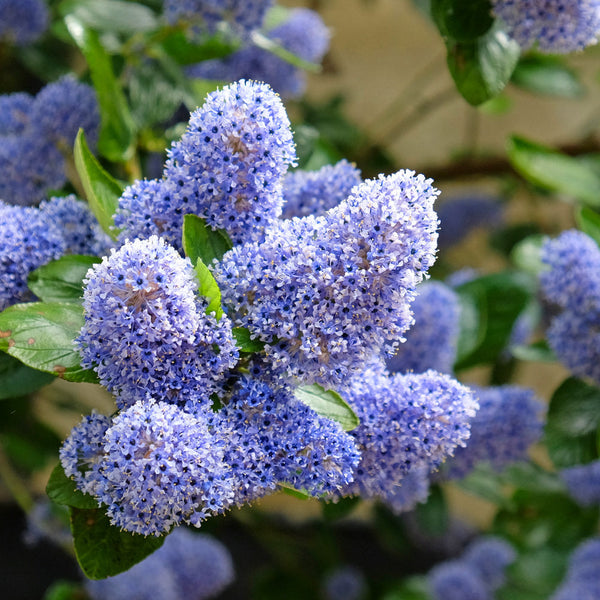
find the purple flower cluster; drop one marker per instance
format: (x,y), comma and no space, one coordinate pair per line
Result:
(315,192)
(432,341)
(227,168)
(146,330)
(407,423)
(572,285)
(508,422)
(583,483)
(344,583)
(326,292)
(303,34)
(36,133)
(22,21)
(581,580)
(188,565)
(552,26)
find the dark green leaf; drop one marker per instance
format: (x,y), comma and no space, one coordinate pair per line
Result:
(62,490)
(17,379)
(61,280)
(484,483)
(462,20)
(527,254)
(117,130)
(200,241)
(104,550)
(244,342)
(328,403)
(548,76)
(185,52)
(332,511)
(588,221)
(111,16)
(432,516)
(481,68)
(103,191)
(412,588)
(536,352)
(554,171)
(65,590)
(573,418)
(41,335)
(208,287)
(290,491)
(539,570)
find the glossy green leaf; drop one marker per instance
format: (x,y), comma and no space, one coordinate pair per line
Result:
(244,342)
(328,403)
(208,287)
(291,491)
(61,280)
(202,242)
(17,379)
(527,254)
(104,550)
(186,52)
(588,221)
(117,131)
(536,352)
(572,421)
(462,20)
(482,68)
(62,490)
(332,511)
(41,334)
(547,75)
(554,171)
(102,190)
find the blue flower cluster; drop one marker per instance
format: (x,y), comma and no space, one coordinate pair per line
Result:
(227,168)
(431,342)
(581,580)
(303,33)
(476,574)
(572,285)
(407,423)
(22,21)
(508,422)
(326,292)
(552,26)
(147,332)
(188,565)
(583,483)
(315,192)
(36,134)
(344,583)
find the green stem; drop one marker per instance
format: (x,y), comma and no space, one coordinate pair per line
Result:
(14,484)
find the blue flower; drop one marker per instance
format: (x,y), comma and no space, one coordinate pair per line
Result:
(583,483)
(22,21)
(314,192)
(432,341)
(489,557)
(581,580)
(344,583)
(552,26)
(326,292)
(15,112)
(146,330)
(412,490)
(455,580)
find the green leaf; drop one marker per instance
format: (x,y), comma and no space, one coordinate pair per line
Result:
(484,483)
(432,516)
(185,52)
(202,242)
(554,171)
(415,587)
(328,403)
(17,379)
(482,68)
(61,280)
(462,20)
(244,342)
(104,550)
(588,221)
(103,191)
(527,254)
(62,490)
(291,491)
(489,307)
(41,335)
(332,511)
(539,570)
(572,422)
(262,41)
(117,131)
(208,287)
(111,16)
(64,590)
(536,352)
(548,76)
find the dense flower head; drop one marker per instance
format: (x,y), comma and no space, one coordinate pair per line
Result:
(489,557)
(15,112)
(273,438)
(187,566)
(432,341)
(27,241)
(583,482)
(553,26)
(456,580)
(146,330)
(581,580)
(161,467)
(242,15)
(412,490)
(78,225)
(64,106)
(508,422)
(22,21)
(326,292)
(460,216)
(344,583)
(407,422)
(303,34)
(314,192)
